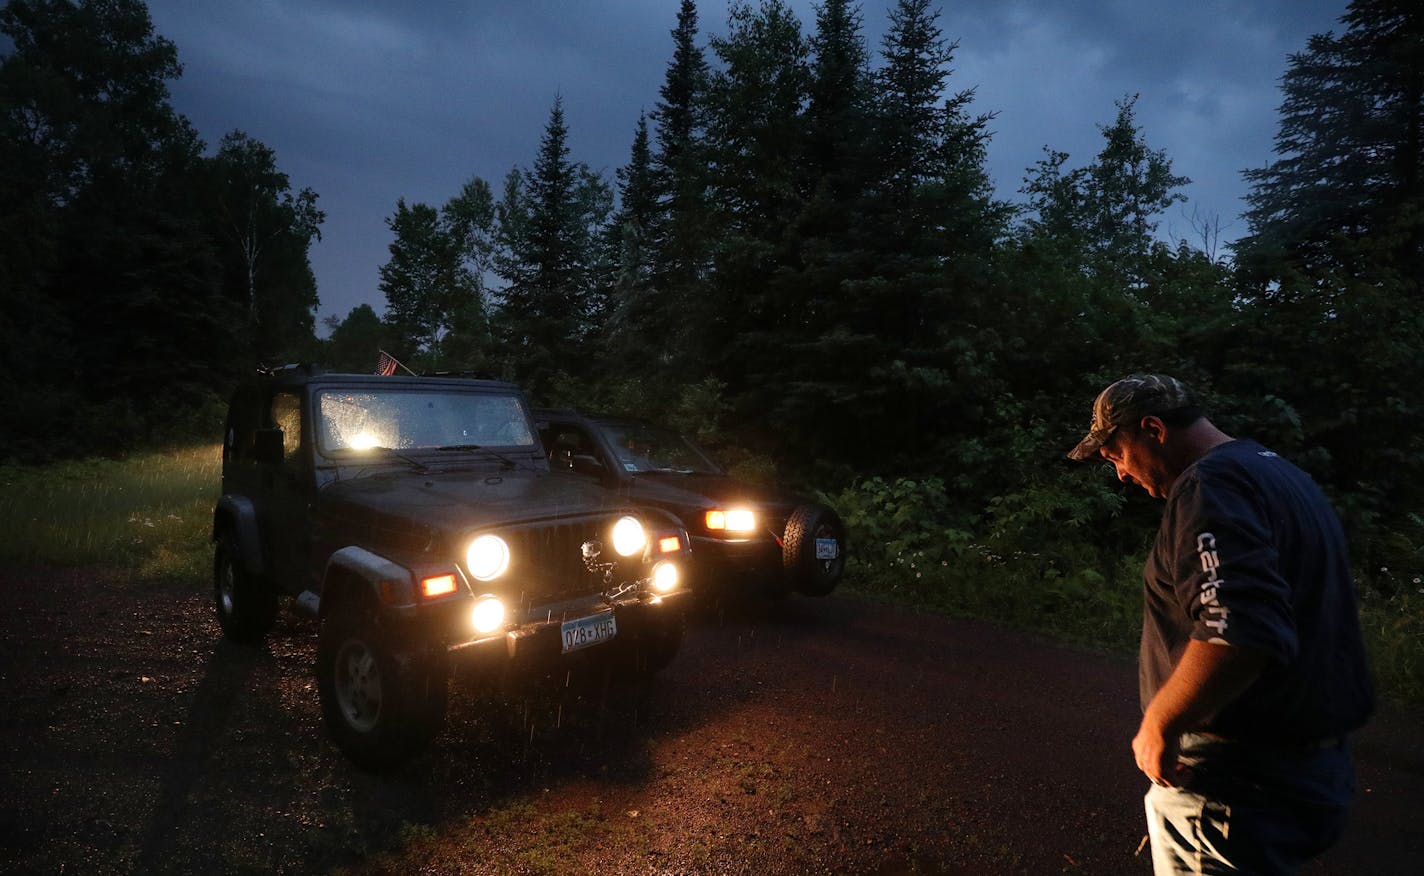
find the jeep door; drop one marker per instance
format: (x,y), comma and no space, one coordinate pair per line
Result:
(285,481)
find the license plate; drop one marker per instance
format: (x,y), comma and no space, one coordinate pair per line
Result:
(585,631)
(827,548)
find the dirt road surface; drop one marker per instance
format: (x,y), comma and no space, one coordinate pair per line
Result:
(815,736)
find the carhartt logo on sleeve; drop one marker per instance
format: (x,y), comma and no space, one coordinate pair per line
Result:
(1211,564)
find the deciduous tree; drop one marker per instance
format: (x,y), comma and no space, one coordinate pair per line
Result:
(265,232)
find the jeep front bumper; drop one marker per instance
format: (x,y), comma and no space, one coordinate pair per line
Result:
(587,623)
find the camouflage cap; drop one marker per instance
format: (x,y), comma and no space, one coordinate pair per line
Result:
(1129,400)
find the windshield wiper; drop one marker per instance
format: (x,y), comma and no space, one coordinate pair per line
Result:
(480,448)
(414,463)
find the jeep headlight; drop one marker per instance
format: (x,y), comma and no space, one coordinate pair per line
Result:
(740,520)
(488,615)
(487,557)
(628,537)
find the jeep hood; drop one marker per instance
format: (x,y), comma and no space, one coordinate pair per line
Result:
(456,502)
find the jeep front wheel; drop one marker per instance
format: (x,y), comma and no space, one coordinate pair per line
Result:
(383,699)
(246,605)
(813,550)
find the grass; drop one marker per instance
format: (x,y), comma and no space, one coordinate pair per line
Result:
(148,516)
(1394,635)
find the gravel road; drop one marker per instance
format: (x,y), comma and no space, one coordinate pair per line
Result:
(829,735)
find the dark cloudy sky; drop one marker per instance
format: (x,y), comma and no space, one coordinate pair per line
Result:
(367,101)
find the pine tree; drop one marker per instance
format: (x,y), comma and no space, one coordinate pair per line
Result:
(1330,273)
(551,220)
(758,137)
(898,349)
(679,230)
(635,318)
(799,389)
(1351,147)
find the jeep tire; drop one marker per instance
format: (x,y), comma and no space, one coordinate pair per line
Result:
(246,604)
(804,572)
(382,697)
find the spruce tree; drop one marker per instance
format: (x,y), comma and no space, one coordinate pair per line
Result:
(802,389)
(551,219)
(679,231)
(635,316)
(757,143)
(1330,272)
(1351,154)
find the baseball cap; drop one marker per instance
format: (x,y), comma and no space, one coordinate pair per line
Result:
(1129,400)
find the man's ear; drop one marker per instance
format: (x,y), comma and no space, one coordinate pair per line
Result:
(1154,429)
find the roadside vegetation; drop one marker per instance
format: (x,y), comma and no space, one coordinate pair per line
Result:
(1067,587)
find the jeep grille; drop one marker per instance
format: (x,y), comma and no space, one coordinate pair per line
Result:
(550,565)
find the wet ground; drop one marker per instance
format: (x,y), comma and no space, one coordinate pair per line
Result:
(810,736)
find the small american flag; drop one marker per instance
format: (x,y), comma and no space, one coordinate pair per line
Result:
(387,364)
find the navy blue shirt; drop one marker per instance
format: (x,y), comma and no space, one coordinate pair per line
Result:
(1250,554)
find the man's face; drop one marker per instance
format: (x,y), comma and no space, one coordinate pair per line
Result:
(1137,455)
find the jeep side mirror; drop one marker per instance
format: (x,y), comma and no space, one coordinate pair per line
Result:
(267,446)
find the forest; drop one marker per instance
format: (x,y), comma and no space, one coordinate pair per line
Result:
(803,262)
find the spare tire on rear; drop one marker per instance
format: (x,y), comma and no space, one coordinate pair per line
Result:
(813,550)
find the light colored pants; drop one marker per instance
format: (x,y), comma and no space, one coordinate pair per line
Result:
(1249,809)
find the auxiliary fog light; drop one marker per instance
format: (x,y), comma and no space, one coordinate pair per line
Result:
(488,615)
(628,537)
(665,577)
(487,557)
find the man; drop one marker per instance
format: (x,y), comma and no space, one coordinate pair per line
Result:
(1252,668)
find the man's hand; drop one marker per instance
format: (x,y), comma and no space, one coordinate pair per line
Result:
(1157,754)
(1207,677)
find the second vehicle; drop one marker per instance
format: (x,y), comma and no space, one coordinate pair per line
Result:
(771,539)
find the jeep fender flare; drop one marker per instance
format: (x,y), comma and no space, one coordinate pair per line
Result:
(237,514)
(356,573)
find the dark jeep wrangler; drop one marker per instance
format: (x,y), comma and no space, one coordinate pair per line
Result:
(417,518)
(744,535)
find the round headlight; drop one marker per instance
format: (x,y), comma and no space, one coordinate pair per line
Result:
(628,537)
(488,557)
(488,615)
(665,577)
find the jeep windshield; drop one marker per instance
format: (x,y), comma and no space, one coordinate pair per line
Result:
(351,422)
(643,448)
